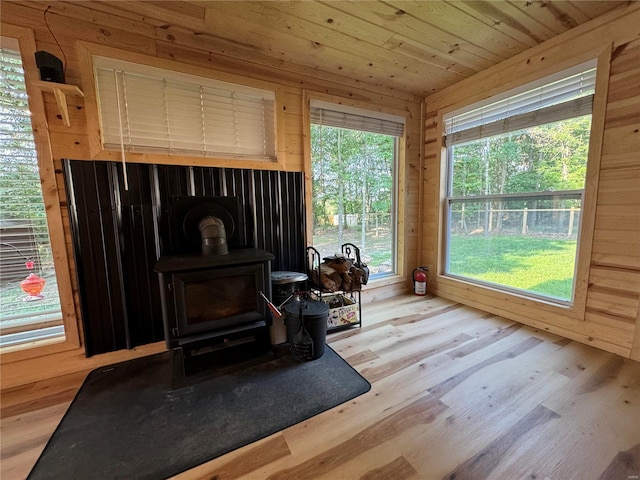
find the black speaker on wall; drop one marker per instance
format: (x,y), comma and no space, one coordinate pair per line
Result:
(50,66)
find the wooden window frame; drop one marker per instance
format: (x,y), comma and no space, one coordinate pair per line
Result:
(86,51)
(400,275)
(547,309)
(71,340)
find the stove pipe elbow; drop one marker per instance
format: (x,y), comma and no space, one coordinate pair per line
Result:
(214,236)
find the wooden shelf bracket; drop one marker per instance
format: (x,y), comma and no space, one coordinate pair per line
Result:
(60,91)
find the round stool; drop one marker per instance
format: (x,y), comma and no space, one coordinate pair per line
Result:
(284,285)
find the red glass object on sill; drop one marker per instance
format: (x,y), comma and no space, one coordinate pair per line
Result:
(32,286)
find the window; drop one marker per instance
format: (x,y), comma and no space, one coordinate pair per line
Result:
(516,176)
(152,110)
(354,158)
(29,300)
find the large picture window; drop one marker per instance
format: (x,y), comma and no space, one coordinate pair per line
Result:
(516,177)
(354,162)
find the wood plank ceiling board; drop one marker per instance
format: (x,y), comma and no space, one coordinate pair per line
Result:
(169,12)
(417,23)
(532,13)
(410,46)
(593,8)
(125,10)
(312,44)
(450,18)
(382,28)
(570,10)
(344,53)
(90,12)
(502,19)
(187,9)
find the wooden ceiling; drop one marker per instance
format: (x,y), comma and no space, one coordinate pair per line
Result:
(412,46)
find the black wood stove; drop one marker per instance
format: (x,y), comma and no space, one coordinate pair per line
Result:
(210,298)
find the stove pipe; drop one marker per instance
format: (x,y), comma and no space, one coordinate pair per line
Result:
(214,236)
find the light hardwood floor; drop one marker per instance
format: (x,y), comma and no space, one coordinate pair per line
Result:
(456,393)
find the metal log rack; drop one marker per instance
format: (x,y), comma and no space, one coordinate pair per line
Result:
(351,252)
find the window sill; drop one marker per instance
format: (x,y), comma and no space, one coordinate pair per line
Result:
(547,300)
(34,349)
(479,295)
(385,280)
(31,336)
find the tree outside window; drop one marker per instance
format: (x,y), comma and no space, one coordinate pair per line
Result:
(354,194)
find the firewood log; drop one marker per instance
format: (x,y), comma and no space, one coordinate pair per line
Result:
(347,282)
(358,274)
(329,284)
(339,264)
(337,279)
(324,282)
(326,269)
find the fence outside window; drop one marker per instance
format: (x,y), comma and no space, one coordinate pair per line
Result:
(522,221)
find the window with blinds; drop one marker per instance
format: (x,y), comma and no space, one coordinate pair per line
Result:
(340,116)
(153,110)
(28,293)
(354,160)
(516,167)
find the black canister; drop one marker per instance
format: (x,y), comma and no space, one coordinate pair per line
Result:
(306,322)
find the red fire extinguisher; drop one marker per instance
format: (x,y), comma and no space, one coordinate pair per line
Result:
(420,281)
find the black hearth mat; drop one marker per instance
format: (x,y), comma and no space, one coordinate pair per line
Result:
(133,420)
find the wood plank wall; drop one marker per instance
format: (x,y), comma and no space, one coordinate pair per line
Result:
(610,317)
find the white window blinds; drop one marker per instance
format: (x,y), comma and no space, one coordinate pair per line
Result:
(548,100)
(340,116)
(150,109)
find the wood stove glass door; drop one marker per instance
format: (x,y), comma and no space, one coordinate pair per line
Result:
(218,298)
